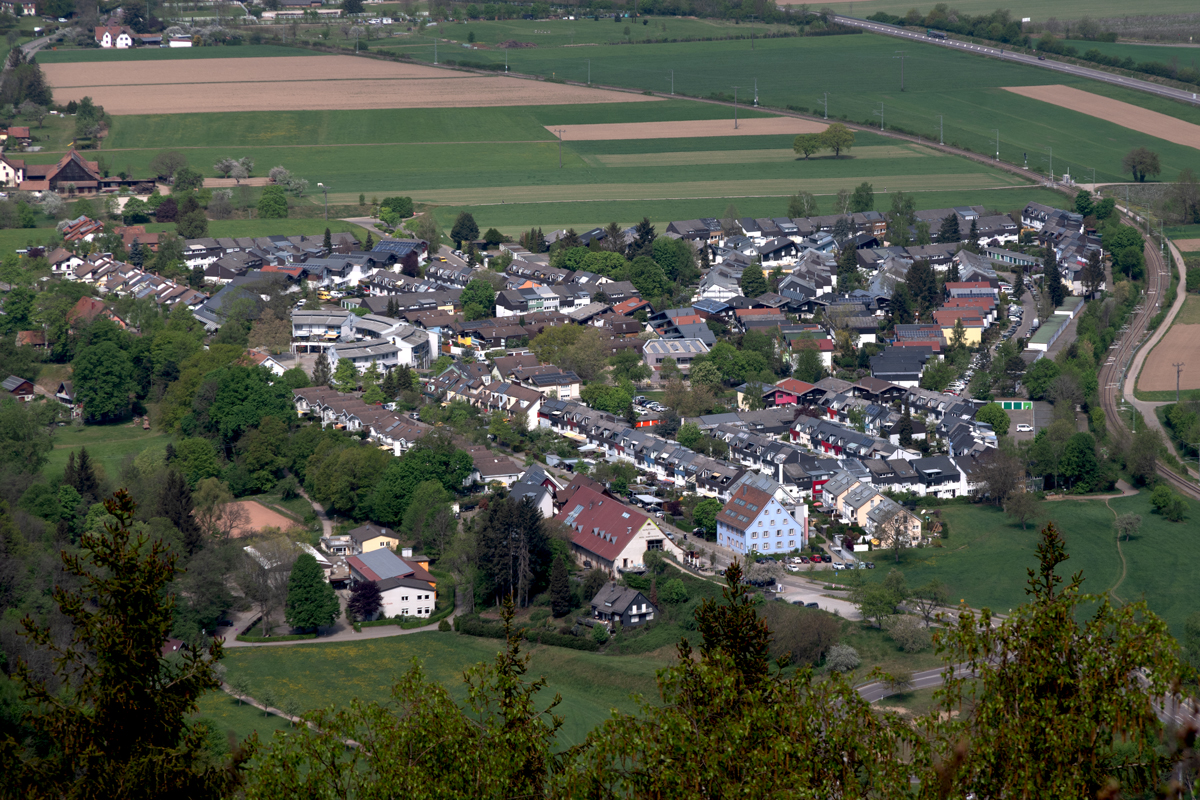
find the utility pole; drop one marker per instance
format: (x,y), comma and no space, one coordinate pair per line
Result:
(756,92)
(506,61)
(941,131)
(672,81)
(826,104)
(434,50)
(997,130)
(735,91)
(589,63)
(560,133)
(900,55)
(879,114)
(325,189)
(1178,372)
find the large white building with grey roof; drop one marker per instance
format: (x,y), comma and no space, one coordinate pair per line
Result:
(683,351)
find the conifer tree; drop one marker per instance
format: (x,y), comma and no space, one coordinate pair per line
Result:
(86,482)
(328,242)
(321,373)
(560,588)
(311,602)
(175,503)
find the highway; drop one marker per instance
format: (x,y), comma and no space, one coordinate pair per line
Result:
(1021,58)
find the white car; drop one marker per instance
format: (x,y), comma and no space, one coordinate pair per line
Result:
(1024,428)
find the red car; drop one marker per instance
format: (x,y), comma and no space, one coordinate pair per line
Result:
(804,559)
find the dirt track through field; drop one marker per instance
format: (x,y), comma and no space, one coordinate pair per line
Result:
(686,129)
(1127,115)
(305,83)
(1159,373)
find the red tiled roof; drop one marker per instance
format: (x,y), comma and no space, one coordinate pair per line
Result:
(755,499)
(601,525)
(794,386)
(86,310)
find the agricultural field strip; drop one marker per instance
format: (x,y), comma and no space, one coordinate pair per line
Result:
(1126,115)
(236,70)
(1158,374)
(471,92)
(702,157)
(704,189)
(686,129)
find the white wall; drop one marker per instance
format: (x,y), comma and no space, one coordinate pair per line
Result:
(408,602)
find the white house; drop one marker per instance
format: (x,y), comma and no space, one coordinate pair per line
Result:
(407,588)
(117,36)
(609,535)
(755,521)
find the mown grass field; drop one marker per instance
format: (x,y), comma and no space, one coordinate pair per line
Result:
(984,561)
(323,675)
(860,73)
(107,445)
(564,32)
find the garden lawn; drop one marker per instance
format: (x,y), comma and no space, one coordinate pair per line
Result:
(107,445)
(877,650)
(269,227)
(562,32)
(323,675)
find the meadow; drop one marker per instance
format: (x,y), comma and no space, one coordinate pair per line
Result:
(985,558)
(107,445)
(331,674)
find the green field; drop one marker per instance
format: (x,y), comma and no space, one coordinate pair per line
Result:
(71,56)
(108,445)
(1187,56)
(323,675)
(984,561)
(1039,11)
(511,218)
(860,73)
(564,33)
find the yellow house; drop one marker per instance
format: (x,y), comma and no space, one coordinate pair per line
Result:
(373,537)
(973,331)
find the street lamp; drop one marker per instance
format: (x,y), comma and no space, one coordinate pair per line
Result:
(325,189)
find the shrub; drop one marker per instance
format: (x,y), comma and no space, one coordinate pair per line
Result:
(444,625)
(539,614)
(908,633)
(842,658)
(600,634)
(673,592)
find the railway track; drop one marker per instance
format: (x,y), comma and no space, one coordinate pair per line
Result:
(1113,373)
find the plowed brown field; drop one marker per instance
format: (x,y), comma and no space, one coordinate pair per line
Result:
(1126,115)
(759,126)
(299,84)
(1158,375)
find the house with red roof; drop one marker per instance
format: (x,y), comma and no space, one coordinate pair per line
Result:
(114,36)
(609,535)
(407,588)
(12,170)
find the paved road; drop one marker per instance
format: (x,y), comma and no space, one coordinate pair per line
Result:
(1021,58)
(876,691)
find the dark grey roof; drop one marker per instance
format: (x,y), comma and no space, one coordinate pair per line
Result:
(616,599)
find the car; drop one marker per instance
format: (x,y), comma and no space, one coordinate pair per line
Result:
(804,559)
(640,399)
(870,564)
(1024,428)
(826,558)
(697,531)
(813,604)
(1041,58)
(838,566)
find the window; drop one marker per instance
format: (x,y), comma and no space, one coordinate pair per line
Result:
(791,543)
(766,545)
(754,535)
(404,612)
